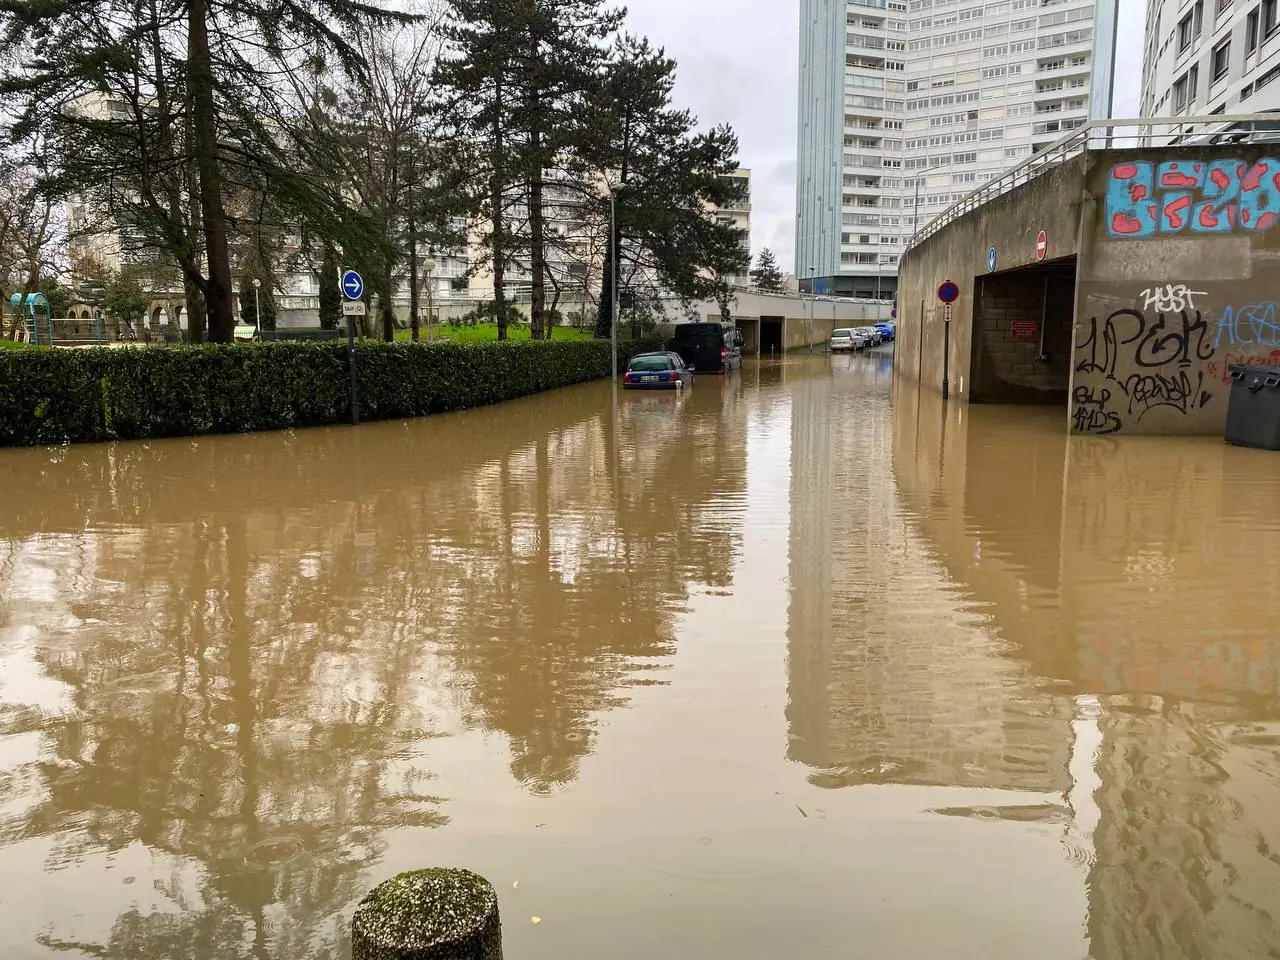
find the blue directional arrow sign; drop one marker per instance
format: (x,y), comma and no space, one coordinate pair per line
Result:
(991,260)
(352,285)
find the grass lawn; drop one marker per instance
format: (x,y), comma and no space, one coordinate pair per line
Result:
(488,333)
(13,345)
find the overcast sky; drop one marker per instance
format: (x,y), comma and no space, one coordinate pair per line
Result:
(738,65)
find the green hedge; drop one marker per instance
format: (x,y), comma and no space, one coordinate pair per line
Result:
(94,394)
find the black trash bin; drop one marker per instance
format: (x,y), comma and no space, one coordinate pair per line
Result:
(1253,413)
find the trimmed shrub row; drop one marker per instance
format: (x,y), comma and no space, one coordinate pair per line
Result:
(79,396)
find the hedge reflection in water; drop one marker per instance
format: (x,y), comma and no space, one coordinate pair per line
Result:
(259,636)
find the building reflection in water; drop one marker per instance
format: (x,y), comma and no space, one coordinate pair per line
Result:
(1140,582)
(237,653)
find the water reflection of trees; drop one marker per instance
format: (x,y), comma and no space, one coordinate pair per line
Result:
(256,664)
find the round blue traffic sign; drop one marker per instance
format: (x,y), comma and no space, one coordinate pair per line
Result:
(948,292)
(352,285)
(991,260)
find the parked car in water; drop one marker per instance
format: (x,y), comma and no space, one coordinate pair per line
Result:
(656,371)
(872,336)
(846,338)
(708,347)
(886,330)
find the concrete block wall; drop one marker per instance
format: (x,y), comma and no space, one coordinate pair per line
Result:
(1011,369)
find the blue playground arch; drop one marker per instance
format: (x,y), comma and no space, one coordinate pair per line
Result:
(35,315)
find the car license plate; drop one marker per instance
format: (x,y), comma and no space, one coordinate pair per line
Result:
(650,378)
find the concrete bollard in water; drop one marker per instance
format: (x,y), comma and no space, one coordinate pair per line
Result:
(441,914)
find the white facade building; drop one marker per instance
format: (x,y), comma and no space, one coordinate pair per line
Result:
(926,99)
(1211,56)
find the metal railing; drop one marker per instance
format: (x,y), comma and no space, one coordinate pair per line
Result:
(1109,135)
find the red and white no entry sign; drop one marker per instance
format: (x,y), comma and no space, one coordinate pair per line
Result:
(1042,245)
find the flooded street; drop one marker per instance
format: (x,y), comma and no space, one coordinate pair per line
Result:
(794,666)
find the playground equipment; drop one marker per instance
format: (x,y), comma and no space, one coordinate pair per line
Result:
(37,323)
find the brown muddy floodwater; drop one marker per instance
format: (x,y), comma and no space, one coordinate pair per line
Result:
(794,667)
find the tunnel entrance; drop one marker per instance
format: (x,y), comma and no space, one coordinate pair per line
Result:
(1022,327)
(770,335)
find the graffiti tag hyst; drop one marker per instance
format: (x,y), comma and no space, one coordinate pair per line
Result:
(1146,199)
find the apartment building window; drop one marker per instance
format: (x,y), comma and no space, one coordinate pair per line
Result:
(1184,90)
(965,158)
(1251,32)
(1270,12)
(1268,77)
(1221,60)
(1198,13)
(961,178)
(1186,26)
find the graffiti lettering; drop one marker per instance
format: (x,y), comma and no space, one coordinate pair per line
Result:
(1091,414)
(1095,420)
(1254,323)
(1170,298)
(1182,339)
(1145,199)
(1184,343)
(1178,392)
(1142,362)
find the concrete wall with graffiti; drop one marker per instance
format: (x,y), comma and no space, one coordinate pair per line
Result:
(1179,279)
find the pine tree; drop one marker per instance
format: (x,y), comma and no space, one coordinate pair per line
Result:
(485,39)
(766,275)
(561,60)
(667,177)
(517,76)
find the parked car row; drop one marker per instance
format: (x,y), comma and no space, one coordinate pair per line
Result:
(860,338)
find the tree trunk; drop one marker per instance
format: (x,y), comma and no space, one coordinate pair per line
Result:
(604,322)
(204,111)
(413,267)
(198,316)
(495,198)
(387,308)
(537,251)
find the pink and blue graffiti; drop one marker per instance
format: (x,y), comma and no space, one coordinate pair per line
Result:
(1145,199)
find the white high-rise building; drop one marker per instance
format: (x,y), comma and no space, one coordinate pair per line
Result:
(927,99)
(1211,56)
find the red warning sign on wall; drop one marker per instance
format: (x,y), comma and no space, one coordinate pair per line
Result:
(1026,329)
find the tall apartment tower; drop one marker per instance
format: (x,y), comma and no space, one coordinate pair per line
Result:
(908,105)
(1211,56)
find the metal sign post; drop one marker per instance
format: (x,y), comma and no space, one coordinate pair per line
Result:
(352,286)
(948,293)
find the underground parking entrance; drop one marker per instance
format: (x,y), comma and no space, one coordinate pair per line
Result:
(1022,334)
(770,335)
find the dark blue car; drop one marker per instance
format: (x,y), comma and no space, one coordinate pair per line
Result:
(656,371)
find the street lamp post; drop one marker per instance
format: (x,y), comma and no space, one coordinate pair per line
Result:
(257,306)
(613,291)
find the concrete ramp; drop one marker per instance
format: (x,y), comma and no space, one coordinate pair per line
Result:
(1117,283)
